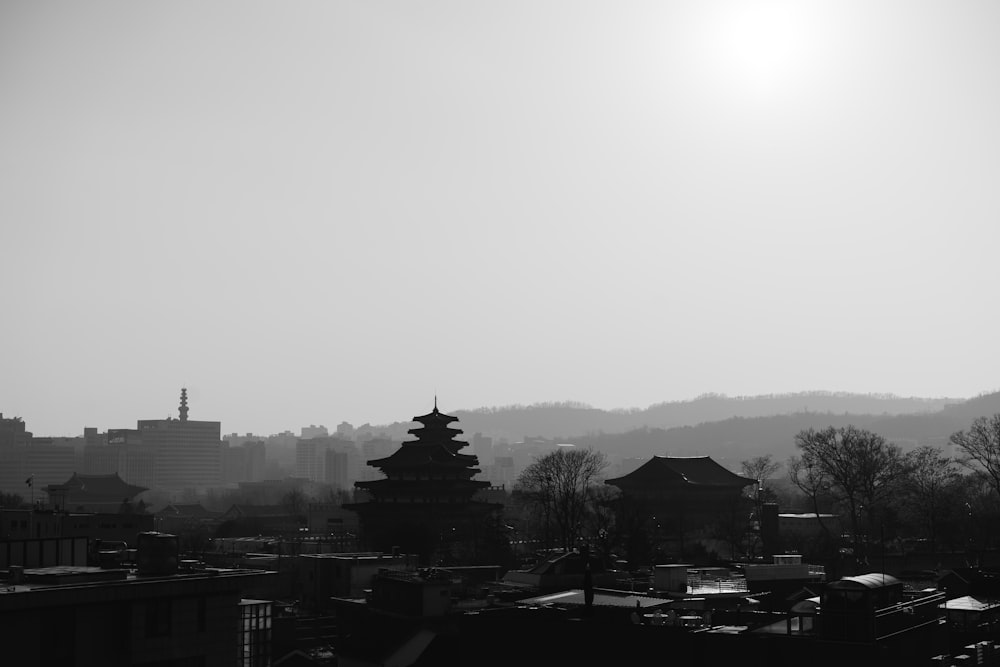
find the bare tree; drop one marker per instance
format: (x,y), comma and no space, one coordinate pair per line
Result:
(858,468)
(295,501)
(981,447)
(928,486)
(760,467)
(559,484)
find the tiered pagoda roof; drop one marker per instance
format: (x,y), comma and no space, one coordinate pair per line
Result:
(429,467)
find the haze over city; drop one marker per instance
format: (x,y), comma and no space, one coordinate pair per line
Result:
(313,212)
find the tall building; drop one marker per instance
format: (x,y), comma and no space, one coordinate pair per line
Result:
(28,463)
(424,503)
(345,430)
(310,459)
(482,446)
(313,431)
(188,452)
(256,459)
(336,468)
(120,451)
(13,433)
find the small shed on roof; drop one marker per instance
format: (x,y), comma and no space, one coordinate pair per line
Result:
(864,592)
(871,580)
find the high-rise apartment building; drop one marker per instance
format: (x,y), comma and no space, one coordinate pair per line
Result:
(336,468)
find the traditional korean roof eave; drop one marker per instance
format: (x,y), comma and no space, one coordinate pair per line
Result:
(424,485)
(435,416)
(422,454)
(111,486)
(697,471)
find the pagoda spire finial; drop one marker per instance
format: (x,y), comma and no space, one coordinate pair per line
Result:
(184,404)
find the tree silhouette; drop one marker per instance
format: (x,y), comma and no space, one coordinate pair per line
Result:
(559,485)
(981,448)
(857,468)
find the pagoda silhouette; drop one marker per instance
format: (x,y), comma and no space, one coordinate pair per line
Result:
(425,504)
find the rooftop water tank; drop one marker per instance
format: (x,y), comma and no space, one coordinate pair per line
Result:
(157,553)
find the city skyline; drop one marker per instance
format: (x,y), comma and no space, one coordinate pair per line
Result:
(325,212)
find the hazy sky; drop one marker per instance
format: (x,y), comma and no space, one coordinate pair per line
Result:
(308,212)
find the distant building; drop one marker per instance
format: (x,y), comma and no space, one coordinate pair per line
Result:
(188,453)
(345,430)
(13,432)
(92,493)
(336,468)
(313,431)
(26,463)
(120,451)
(313,460)
(310,459)
(180,518)
(482,447)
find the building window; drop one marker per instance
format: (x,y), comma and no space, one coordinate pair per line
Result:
(255,635)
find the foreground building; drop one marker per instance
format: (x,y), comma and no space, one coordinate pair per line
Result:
(73,615)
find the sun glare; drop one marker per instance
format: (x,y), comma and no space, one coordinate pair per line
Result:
(760,48)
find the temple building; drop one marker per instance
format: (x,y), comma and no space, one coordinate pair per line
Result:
(424,504)
(93,493)
(679,498)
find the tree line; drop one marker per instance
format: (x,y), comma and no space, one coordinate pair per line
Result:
(879,493)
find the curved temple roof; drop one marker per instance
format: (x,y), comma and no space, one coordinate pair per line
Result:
(693,470)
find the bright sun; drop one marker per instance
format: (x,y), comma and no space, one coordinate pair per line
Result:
(761,48)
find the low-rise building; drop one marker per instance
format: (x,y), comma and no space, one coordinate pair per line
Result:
(91,616)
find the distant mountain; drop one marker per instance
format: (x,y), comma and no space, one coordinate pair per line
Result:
(575,420)
(732,440)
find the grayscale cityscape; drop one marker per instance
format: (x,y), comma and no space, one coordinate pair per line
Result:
(449,333)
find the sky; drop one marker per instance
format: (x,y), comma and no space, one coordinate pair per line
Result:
(311,212)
